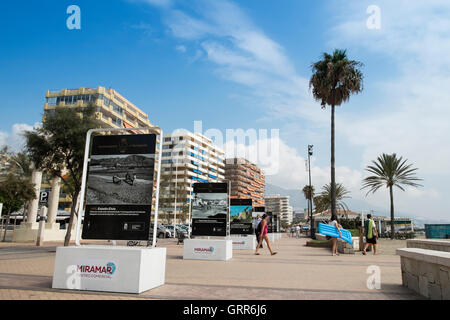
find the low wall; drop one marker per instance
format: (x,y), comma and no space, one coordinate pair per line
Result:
(438,245)
(426,272)
(343,247)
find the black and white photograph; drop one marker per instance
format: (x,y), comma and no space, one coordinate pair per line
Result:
(120,179)
(210,205)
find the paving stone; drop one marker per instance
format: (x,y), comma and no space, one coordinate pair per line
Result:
(296,272)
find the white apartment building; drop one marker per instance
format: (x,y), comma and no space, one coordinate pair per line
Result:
(187,158)
(278,204)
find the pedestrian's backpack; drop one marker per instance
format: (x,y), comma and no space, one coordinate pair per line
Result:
(258,228)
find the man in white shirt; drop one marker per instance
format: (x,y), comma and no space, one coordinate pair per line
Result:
(297,231)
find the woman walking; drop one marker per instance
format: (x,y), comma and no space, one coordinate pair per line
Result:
(263,229)
(334,240)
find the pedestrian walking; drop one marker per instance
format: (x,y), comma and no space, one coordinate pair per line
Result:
(371,234)
(297,231)
(257,230)
(334,240)
(263,227)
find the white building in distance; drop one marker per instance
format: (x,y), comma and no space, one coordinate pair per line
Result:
(187,158)
(278,204)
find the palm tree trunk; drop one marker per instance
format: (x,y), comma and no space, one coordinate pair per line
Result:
(333,177)
(72,215)
(391,193)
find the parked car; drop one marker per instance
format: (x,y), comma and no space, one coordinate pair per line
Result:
(161,232)
(176,229)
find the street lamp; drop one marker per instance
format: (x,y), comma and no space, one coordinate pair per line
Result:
(310,153)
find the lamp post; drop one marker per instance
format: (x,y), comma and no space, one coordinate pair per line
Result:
(310,153)
(175,209)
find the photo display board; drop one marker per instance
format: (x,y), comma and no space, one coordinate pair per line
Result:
(210,209)
(241,211)
(120,185)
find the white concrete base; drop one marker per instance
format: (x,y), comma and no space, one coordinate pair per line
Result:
(204,249)
(244,242)
(25,234)
(109,268)
(52,226)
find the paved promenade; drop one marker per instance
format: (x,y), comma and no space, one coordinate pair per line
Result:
(296,272)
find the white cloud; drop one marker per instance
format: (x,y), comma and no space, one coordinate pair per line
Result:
(181,48)
(158,3)
(15,139)
(291,170)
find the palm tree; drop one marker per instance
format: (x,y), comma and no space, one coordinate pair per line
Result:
(390,171)
(334,79)
(323,200)
(308,192)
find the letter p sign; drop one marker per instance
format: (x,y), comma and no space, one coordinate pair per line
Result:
(74,20)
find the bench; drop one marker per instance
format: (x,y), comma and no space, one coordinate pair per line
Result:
(426,272)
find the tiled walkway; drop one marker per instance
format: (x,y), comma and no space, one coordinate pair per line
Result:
(296,272)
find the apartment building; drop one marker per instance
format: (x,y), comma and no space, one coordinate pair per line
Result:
(113,110)
(278,204)
(187,158)
(247,180)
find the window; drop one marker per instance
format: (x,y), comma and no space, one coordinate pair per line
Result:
(167,154)
(167,139)
(52,101)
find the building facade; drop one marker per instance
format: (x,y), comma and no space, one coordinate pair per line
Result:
(280,205)
(187,158)
(113,110)
(247,180)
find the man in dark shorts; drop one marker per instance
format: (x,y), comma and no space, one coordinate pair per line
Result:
(371,234)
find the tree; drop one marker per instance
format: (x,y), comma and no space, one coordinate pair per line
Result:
(335,78)
(308,192)
(58,149)
(14,191)
(16,164)
(390,171)
(323,200)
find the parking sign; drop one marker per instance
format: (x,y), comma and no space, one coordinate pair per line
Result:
(43,197)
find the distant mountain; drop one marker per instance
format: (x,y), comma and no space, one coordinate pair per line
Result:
(296,197)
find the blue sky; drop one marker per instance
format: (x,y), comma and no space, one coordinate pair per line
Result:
(246,64)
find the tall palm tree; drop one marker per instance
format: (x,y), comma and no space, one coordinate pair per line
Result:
(308,192)
(334,79)
(390,171)
(323,200)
